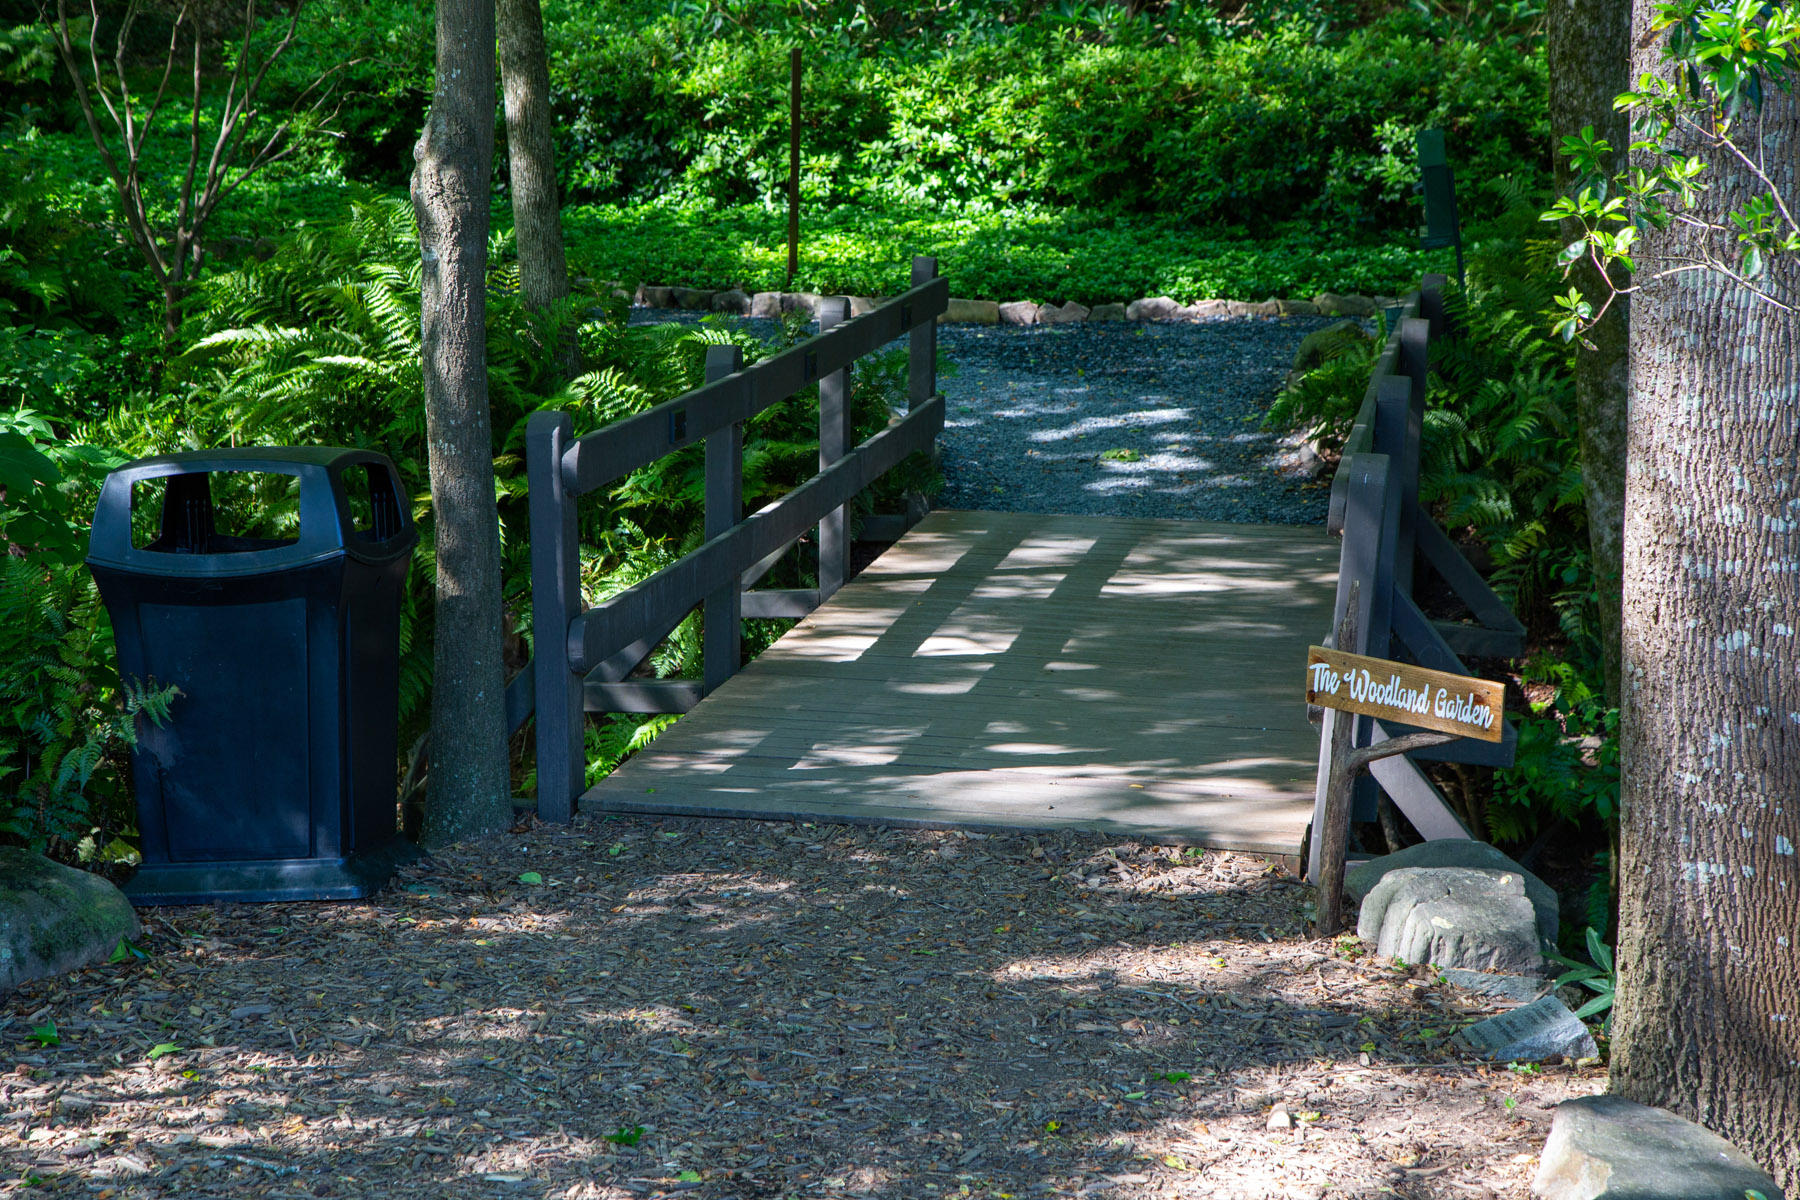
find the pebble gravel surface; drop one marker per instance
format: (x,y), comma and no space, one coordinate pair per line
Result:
(1123,419)
(1133,419)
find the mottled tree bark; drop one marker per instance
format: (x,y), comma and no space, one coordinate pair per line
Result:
(531,153)
(469,791)
(1590,63)
(1708,1016)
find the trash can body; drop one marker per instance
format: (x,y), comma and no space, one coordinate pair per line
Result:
(274,778)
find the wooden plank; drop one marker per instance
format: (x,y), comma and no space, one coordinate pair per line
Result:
(1401,693)
(1020,671)
(644,696)
(598,458)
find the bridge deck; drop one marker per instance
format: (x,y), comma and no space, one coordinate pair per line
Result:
(1027,671)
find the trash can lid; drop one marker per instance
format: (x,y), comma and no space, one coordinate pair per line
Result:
(327,523)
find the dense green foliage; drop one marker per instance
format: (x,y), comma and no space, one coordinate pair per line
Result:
(1055,151)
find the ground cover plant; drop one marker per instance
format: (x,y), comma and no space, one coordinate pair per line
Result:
(1052,152)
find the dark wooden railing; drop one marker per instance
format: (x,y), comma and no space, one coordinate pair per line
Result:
(1387,540)
(585,656)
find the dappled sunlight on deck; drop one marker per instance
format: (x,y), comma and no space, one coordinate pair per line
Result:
(1027,671)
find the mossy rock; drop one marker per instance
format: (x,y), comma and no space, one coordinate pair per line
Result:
(1333,341)
(54,918)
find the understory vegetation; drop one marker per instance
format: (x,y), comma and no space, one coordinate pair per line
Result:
(1060,151)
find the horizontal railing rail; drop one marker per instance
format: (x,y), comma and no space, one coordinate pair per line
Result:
(1387,538)
(585,655)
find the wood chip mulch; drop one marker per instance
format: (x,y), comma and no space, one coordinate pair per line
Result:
(739,1009)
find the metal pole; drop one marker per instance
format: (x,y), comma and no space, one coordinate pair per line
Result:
(793,263)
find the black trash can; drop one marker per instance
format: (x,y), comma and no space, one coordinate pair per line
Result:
(274,778)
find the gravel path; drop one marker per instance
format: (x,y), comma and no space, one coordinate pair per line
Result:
(1124,419)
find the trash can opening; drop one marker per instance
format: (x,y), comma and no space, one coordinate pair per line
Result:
(374,502)
(230,512)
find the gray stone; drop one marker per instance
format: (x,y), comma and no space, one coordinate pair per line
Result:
(654,297)
(1298,308)
(735,301)
(863,304)
(1606,1146)
(1331,304)
(1266,308)
(1532,1032)
(1107,312)
(692,298)
(970,312)
(1237,308)
(1019,312)
(1457,852)
(806,302)
(1068,314)
(1152,308)
(1201,310)
(54,918)
(1522,989)
(1453,917)
(766,306)
(1322,345)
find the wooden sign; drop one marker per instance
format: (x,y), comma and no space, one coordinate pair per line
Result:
(1405,694)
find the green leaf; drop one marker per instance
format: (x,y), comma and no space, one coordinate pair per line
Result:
(45,1035)
(531,877)
(689,1176)
(161,1048)
(625,1135)
(1121,454)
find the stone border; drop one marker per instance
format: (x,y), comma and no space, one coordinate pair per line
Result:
(1015,312)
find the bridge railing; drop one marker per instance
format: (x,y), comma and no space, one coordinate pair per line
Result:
(585,655)
(1388,539)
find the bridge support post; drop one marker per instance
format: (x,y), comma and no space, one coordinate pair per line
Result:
(556,600)
(835,440)
(921,356)
(723,612)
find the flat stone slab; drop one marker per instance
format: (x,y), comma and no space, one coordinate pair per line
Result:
(54,918)
(1453,917)
(1607,1146)
(1533,1032)
(1457,852)
(1521,988)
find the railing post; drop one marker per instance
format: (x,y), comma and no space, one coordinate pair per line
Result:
(556,599)
(1365,572)
(921,357)
(835,439)
(1398,434)
(724,508)
(1431,305)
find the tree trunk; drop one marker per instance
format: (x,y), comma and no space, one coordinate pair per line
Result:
(531,153)
(469,790)
(1708,1016)
(1590,63)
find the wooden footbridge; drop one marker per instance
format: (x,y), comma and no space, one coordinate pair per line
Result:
(996,670)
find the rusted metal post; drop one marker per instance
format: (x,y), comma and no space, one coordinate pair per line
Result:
(793,263)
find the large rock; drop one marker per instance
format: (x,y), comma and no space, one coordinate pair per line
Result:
(970,312)
(1545,1028)
(1520,989)
(766,306)
(1019,312)
(1201,310)
(1457,852)
(1453,917)
(1298,308)
(1333,305)
(692,298)
(1606,1146)
(654,297)
(1107,312)
(806,302)
(54,918)
(1153,308)
(1323,345)
(735,301)
(1069,314)
(863,304)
